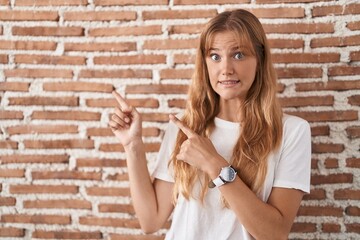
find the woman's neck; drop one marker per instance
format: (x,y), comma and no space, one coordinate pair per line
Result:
(230,110)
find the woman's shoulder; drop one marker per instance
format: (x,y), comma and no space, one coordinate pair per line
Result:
(293,123)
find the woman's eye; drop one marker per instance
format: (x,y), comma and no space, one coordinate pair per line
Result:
(238,55)
(215,57)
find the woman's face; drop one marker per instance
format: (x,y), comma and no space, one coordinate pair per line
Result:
(231,67)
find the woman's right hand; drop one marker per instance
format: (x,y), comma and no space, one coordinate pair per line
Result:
(125,122)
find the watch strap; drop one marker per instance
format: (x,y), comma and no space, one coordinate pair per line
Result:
(217,182)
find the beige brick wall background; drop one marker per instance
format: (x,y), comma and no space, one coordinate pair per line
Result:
(63,174)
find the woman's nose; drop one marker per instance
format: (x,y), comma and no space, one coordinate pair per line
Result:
(227,67)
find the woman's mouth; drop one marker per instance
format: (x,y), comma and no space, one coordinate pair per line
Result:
(229,82)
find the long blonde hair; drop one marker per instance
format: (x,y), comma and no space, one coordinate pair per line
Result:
(261,128)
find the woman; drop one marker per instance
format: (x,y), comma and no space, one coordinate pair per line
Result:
(238,167)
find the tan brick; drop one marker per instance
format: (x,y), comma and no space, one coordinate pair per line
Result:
(58,204)
(43,189)
(327,148)
(100,16)
(136,237)
(8,144)
(42,129)
(335,42)
(330,227)
(147,132)
(97,162)
(127,60)
(283,12)
(12,15)
(176,73)
(116,208)
(126,31)
(12,173)
(344,70)
(353,131)
(78,87)
(17,158)
(72,175)
(177,103)
(27,45)
(50,60)
(196,2)
(101,47)
(39,73)
(156,89)
(178,14)
(11,115)
(118,177)
(48,31)
(7,201)
(353,162)
(286,43)
(36,219)
(333,116)
(355,56)
(107,191)
(3,59)
(11,232)
(184,58)
(58,144)
(305,57)
(51,3)
(347,194)
(109,222)
(320,130)
(299,28)
(303,227)
(116,147)
(336,10)
(289,1)
(44,101)
(186,29)
(354,100)
(171,44)
(4,3)
(325,86)
(332,178)
(320,211)
(14,86)
(315,194)
(138,103)
(129,2)
(66,115)
(123,73)
(67,234)
(307,101)
(353,25)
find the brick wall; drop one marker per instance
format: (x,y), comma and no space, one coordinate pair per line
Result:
(63,174)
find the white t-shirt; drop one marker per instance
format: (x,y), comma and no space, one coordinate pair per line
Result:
(289,167)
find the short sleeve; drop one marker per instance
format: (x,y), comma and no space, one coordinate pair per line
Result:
(294,166)
(162,170)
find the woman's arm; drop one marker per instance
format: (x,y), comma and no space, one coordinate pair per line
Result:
(152,201)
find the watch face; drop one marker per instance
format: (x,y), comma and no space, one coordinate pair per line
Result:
(228,174)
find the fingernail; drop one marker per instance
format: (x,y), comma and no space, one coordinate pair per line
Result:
(127,119)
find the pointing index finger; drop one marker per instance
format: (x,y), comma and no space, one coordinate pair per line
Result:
(120,100)
(185,129)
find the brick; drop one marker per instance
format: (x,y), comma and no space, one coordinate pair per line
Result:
(320,130)
(331,116)
(4,3)
(177,103)
(11,232)
(331,227)
(325,86)
(99,16)
(176,73)
(118,177)
(11,115)
(138,103)
(129,2)
(178,14)
(186,29)
(127,60)
(125,31)
(14,86)
(97,162)
(336,10)
(43,189)
(117,208)
(59,144)
(320,211)
(307,101)
(39,3)
(353,131)
(12,173)
(331,163)
(7,201)
(315,164)
(327,148)
(135,237)
(156,89)
(3,59)
(155,117)
(146,132)
(184,58)
(44,101)
(347,194)
(344,70)
(303,227)
(355,56)
(17,158)
(353,162)
(42,129)
(299,28)
(123,73)
(354,100)
(27,45)
(58,204)
(107,191)
(171,44)
(78,87)
(66,115)
(290,72)
(353,25)
(335,42)
(109,222)
(50,60)
(208,2)
(72,175)
(352,211)
(315,194)
(116,147)
(305,57)
(283,12)
(289,1)
(100,47)
(36,219)
(8,144)
(286,43)
(12,15)
(66,234)
(352,227)
(38,73)
(332,178)
(48,31)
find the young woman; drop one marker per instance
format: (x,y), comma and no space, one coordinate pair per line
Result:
(232,166)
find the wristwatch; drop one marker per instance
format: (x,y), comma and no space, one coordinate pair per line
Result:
(227,174)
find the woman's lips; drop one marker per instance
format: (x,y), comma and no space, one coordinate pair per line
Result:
(229,82)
